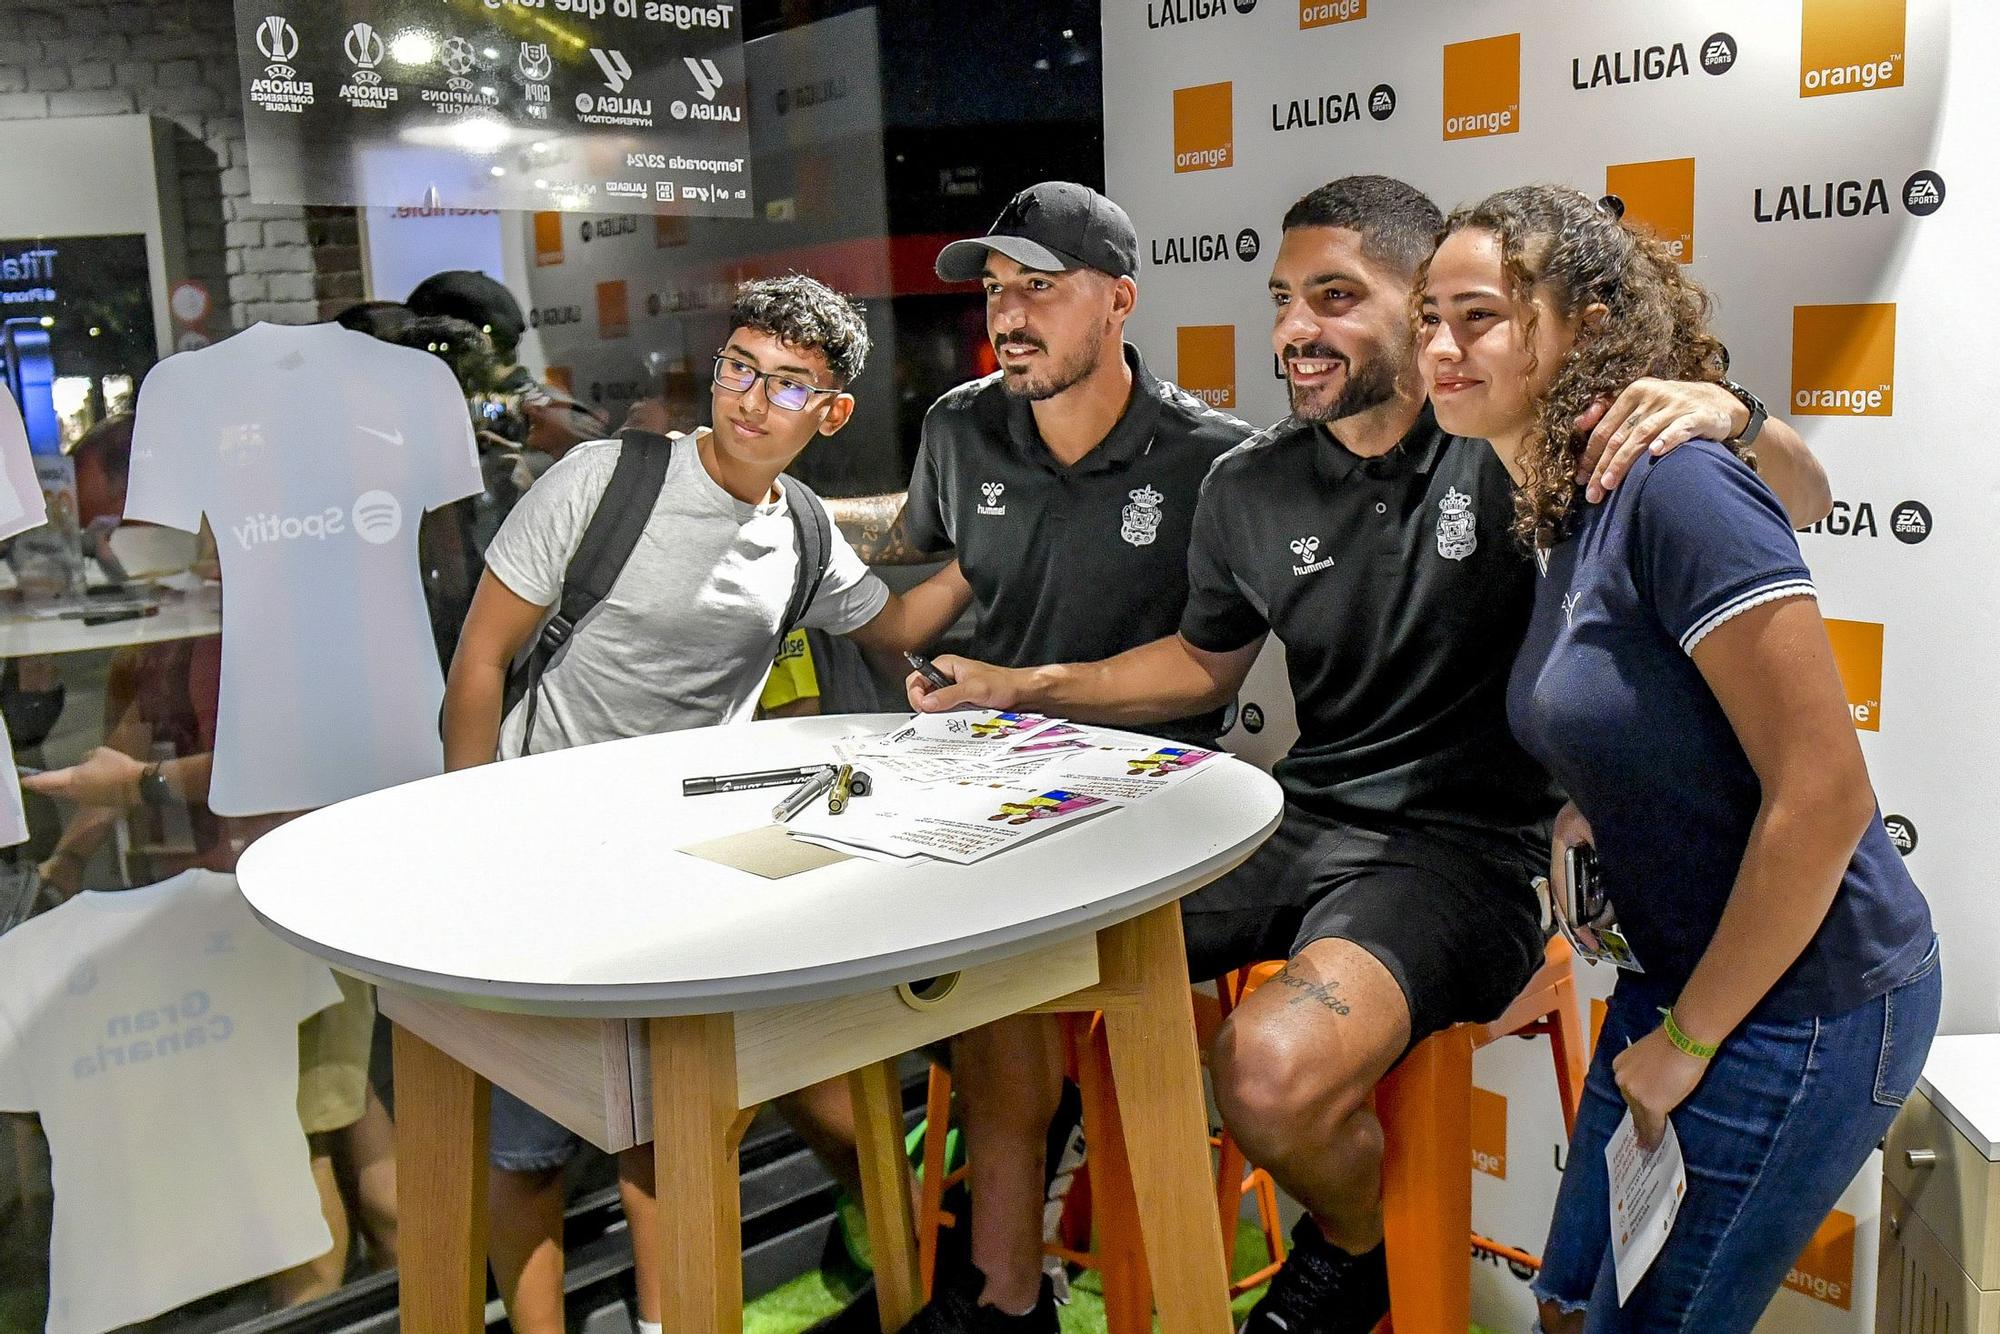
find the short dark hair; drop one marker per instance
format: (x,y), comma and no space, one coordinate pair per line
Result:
(805,313)
(1398,223)
(469,295)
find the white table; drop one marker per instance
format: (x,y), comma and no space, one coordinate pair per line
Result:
(189,617)
(530,924)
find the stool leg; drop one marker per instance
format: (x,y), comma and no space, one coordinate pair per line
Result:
(1114,1209)
(1570,1048)
(441,1167)
(1158,1076)
(930,1202)
(1426,1109)
(694,1154)
(885,1191)
(1230,1169)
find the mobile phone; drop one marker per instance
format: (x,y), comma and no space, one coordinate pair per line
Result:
(1587,899)
(926,669)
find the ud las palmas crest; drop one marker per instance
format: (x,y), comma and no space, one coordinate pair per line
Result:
(1142,517)
(1457,537)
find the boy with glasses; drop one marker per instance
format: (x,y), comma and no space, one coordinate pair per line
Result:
(684,639)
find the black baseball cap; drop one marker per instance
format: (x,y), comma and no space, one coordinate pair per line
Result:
(1052,227)
(467,294)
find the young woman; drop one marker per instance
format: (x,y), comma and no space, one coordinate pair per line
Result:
(1677,681)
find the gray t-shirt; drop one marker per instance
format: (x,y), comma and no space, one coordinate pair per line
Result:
(687,635)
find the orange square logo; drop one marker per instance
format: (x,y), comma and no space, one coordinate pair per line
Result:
(1844,360)
(614,312)
(1204,127)
(1659,196)
(1851,46)
(1324,13)
(558,377)
(1857,651)
(1207,367)
(1482,87)
(548,239)
(1825,1269)
(1489,1133)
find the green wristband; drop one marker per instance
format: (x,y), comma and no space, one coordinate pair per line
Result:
(1699,1050)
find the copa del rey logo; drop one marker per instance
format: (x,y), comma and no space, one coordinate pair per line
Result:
(1142,517)
(1458,535)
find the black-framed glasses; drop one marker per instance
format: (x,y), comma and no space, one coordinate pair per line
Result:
(739,377)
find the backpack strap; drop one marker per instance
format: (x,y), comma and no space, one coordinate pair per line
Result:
(608,542)
(813,527)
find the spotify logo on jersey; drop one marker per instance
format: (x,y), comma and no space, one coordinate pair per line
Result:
(378,517)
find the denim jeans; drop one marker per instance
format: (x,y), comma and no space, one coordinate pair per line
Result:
(1775,1131)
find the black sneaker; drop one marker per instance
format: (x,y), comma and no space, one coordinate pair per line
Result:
(1322,1289)
(955,1309)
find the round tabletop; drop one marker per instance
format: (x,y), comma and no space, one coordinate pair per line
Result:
(551,884)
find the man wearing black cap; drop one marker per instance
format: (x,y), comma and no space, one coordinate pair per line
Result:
(1065,484)
(555,420)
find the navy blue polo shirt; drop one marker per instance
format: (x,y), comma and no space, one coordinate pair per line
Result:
(1068,563)
(1400,598)
(1606,693)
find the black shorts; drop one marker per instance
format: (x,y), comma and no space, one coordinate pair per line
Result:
(1452,916)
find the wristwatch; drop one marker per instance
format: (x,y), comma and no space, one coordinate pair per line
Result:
(1758,413)
(153,787)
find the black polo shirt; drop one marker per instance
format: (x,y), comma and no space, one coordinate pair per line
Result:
(1400,596)
(1069,564)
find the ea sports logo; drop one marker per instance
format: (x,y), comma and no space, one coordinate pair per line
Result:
(378,517)
(1718,53)
(1923,193)
(1901,832)
(1910,522)
(1247,245)
(1245,6)
(1382,102)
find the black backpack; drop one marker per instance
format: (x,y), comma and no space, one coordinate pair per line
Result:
(608,542)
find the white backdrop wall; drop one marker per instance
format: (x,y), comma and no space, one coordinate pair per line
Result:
(1826,168)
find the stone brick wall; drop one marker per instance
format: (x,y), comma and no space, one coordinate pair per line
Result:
(176,59)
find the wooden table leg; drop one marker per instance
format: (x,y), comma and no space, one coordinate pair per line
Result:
(885,1191)
(694,1148)
(441,1185)
(1158,1075)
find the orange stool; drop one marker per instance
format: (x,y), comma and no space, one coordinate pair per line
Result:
(1425,1105)
(1099,1228)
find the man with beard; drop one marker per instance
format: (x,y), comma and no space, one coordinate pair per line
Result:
(1064,484)
(1376,547)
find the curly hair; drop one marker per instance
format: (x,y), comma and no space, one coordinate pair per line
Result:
(805,313)
(1581,252)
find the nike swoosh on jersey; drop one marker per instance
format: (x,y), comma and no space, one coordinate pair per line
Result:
(394,437)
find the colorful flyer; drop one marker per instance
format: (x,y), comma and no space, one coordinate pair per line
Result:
(1129,774)
(961,825)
